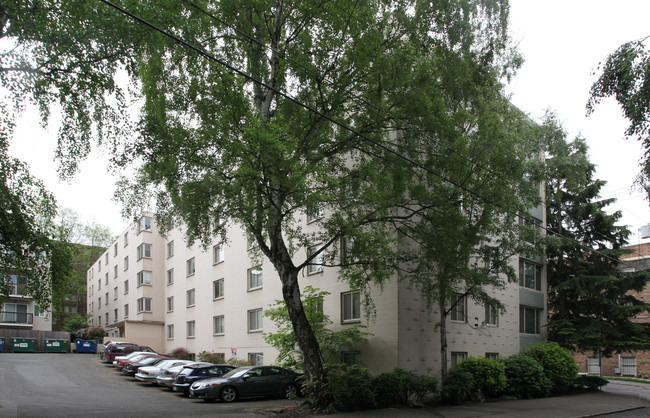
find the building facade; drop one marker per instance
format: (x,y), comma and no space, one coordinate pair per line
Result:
(158,291)
(20,312)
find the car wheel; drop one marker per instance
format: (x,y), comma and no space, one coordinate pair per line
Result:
(229,394)
(290,390)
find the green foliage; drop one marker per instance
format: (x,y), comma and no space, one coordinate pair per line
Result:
(458,386)
(74,322)
(181,353)
(525,377)
(344,388)
(330,342)
(488,375)
(237,362)
(589,382)
(209,357)
(590,300)
(95,333)
(558,364)
(401,387)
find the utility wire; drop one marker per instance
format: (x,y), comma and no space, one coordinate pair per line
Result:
(287,96)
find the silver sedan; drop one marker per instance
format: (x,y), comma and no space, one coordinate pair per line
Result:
(150,373)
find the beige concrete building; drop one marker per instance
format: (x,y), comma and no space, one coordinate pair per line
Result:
(155,290)
(20,312)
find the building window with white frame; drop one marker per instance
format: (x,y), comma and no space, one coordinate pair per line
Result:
(530,274)
(115,250)
(491,316)
(115,293)
(126,239)
(126,311)
(115,315)
(144,278)
(190,298)
(347,251)
(217,254)
(115,271)
(144,305)
(457,357)
(191,267)
(530,320)
(144,251)
(126,263)
(170,277)
(106,299)
(492,356)
(170,249)
(144,224)
(316,264)
(106,259)
(218,323)
(170,332)
(351,358)
(218,289)
(106,316)
(190,329)
(126,286)
(255,278)
(106,278)
(170,304)
(256,359)
(314,214)
(458,311)
(351,306)
(38,312)
(255,320)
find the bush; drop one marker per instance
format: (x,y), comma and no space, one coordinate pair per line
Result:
(95,333)
(558,363)
(526,378)
(345,388)
(237,362)
(459,386)
(181,354)
(396,388)
(208,357)
(489,375)
(588,382)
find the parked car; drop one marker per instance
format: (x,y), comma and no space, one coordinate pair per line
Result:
(119,362)
(168,377)
(116,350)
(191,374)
(149,373)
(131,367)
(245,382)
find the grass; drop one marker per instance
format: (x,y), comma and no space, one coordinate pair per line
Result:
(629,379)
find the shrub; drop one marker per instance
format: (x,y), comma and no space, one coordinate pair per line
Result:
(558,363)
(237,362)
(459,386)
(526,378)
(589,382)
(489,375)
(208,357)
(345,388)
(95,333)
(181,353)
(396,388)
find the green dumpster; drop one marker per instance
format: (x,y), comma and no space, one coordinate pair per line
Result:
(56,346)
(23,345)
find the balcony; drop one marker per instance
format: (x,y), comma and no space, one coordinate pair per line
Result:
(17,290)
(16,318)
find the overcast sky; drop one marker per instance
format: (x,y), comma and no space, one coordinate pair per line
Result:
(562,43)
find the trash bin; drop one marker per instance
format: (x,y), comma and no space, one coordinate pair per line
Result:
(86,346)
(56,346)
(23,345)
(2,344)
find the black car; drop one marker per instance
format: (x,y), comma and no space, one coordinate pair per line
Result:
(132,368)
(245,382)
(191,374)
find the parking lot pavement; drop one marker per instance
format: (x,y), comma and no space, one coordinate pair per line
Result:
(54,384)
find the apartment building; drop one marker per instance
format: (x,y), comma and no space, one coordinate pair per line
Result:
(19,312)
(160,291)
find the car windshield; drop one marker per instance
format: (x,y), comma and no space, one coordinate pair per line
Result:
(236,372)
(186,371)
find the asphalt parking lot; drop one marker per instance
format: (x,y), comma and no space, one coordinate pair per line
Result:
(53,385)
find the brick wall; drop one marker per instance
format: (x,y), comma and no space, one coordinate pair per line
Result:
(635,364)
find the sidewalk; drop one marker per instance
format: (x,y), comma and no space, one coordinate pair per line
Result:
(615,398)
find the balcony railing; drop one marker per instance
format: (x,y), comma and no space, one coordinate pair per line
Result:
(18,318)
(17,290)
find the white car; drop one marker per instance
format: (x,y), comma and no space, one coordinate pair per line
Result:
(150,373)
(120,359)
(168,377)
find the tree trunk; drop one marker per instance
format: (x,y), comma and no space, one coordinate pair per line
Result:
(443,341)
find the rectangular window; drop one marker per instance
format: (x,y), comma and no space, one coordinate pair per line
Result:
(106,303)
(530,275)
(316,264)
(491,316)
(255,278)
(459,309)
(347,251)
(217,254)
(529,320)
(170,304)
(144,224)
(351,358)
(255,320)
(106,316)
(492,356)
(457,357)
(99,284)
(99,302)
(351,306)
(99,265)
(191,268)
(190,298)
(115,292)
(190,329)
(115,315)
(170,332)
(218,325)
(126,263)
(170,249)
(106,279)
(144,305)
(126,286)
(115,271)
(170,277)
(99,319)
(144,278)
(115,250)
(256,359)
(218,289)
(144,251)
(314,214)
(126,311)
(38,312)
(126,239)
(106,259)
